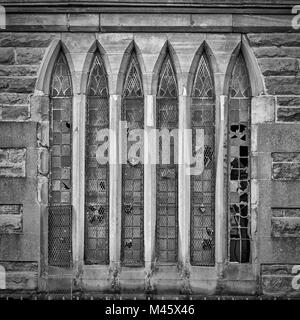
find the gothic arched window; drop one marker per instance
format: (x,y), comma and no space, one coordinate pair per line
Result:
(203,183)
(60,180)
(167,170)
(96,172)
(239,163)
(132,251)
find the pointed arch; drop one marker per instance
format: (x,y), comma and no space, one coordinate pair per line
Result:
(60,179)
(167,112)
(45,72)
(167,50)
(202,240)
(133,86)
(239,144)
(97,173)
(132,235)
(131,50)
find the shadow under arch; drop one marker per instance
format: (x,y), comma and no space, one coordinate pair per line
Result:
(96,46)
(47,65)
(203,49)
(254,74)
(167,47)
(125,64)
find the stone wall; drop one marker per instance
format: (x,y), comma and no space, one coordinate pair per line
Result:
(24,126)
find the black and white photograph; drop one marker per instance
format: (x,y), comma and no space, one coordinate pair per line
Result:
(149,152)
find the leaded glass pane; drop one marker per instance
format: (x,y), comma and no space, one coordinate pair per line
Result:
(239,164)
(203,185)
(167,83)
(96,174)
(133,84)
(132,249)
(167,174)
(60,182)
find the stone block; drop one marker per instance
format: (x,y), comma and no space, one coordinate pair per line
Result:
(273,52)
(13,163)
(17,85)
(286,166)
(7,56)
(20,275)
(16,71)
(283,137)
(262,109)
(288,114)
(279,280)
(281,67)
(285,227)
(17,134)
(274,39)
(37,22)
(285,193)
(15,112)
(288,85)
(26,39)
(11,216)
(86,22)
(29,55)
(290,101)
(13,98)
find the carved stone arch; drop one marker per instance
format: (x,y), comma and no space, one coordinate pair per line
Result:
(42,86)
(95,48)
(205,50)
(131,49)
(167,49)
(254,73)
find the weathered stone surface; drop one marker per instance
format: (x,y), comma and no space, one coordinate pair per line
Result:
(12,162)
(283,85)
(20,275)
(286,157)
(285,227)
(18,85)
(25,39)
(285,66)
(285,212)
(289,101)
(288,114)
(18,134)
(286,171)
(7,56)
(13,98)
(262,109)
(90,22)
(273,52)
(15,112)
(29,55)
(279,280)
(14,70)
(274,39)
(286,165)
(11,218)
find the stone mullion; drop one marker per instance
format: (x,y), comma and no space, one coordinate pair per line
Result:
(220,203)
(78,178)
(115,186)
(183,186)
(149,180)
